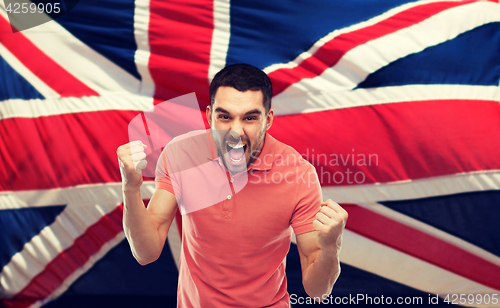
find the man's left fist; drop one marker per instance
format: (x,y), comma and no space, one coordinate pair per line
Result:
(330,222)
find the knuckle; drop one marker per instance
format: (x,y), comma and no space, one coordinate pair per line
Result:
(121,157)
(316,224)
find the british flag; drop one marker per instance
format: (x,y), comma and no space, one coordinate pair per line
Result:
(395,102)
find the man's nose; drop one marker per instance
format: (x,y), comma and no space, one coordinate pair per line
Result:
(237,130)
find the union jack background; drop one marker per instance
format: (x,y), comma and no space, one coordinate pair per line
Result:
(395,102)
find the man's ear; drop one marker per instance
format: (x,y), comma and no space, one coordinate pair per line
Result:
(269,118)
(208,113)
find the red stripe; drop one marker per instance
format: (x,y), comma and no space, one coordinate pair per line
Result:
(180,38)
(51,73)
(410,140)
(70,260)
(422,245)
(332,51)
(63,150)
(145,123)
(406,141)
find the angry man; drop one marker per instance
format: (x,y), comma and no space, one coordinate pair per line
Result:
(234,245)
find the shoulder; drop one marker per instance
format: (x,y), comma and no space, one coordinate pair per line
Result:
(190,149)
(288,156)
(189,141)
(192,135)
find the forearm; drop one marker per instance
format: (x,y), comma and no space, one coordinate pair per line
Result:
(139,228)
(321,275)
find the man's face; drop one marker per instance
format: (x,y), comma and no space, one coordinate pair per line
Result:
(240,122)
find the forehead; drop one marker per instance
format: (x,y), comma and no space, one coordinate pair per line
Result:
(235,101)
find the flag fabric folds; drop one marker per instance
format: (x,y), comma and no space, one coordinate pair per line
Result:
(396,103)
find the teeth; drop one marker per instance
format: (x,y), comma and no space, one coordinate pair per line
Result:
(236,145)
(236,160)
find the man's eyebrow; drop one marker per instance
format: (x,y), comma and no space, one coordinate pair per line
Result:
(255,111)
(222,110)
(218,109)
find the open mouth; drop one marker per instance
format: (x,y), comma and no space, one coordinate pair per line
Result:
(236,151)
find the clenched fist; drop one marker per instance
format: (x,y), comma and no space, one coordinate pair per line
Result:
(330,222)
(132,160)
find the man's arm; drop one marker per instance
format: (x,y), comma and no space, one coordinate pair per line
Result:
(146,229)
(319,250)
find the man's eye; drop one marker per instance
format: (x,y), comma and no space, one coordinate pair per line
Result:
(251,118)
(224,117)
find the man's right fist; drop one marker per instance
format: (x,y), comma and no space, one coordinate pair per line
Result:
(132,160)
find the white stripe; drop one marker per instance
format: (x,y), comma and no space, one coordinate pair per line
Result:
(367,58)
(303,102)
(437,233)
(86,204)
(22,70)
(392,264)
(355,246)
(386,262)
(432,31)
(415,189)
(349,29)
(81,61)
(142,54)
(425,228)
(82,270)
(63,105)
(108,193)
(53,239)
(220,37)
(295,101)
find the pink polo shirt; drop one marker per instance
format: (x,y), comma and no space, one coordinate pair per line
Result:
(234,244)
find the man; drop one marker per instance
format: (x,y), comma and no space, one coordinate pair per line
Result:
(234,248)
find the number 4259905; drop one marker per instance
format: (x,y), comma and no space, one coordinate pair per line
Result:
(18,8)
(471,299)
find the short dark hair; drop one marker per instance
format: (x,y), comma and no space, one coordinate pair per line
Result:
(243,77)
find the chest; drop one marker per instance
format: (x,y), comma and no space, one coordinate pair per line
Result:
(251,208)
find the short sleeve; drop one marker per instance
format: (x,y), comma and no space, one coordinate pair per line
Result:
(308,203)
(162,177)
(180,155)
